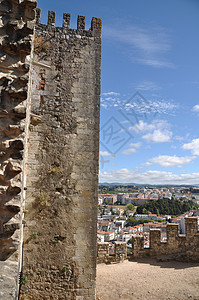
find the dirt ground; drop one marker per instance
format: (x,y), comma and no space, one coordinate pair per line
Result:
(148,280)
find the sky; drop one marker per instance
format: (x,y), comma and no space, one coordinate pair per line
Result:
(149,87)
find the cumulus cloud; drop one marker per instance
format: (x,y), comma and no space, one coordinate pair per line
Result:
(171,161)
(142,126)
(193,146)
(158,136)
(132,148)
(148,177)
(156,132)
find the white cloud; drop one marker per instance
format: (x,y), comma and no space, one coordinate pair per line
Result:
(139,127)
(135,145)
(142,126)
(132,148)
(105,153)
(145,45)
(158,136)
(171,161)
(141,105)
(156,63)
(111,94)
(193,146)
(137,103)
(195,108)
(147,164)
(158,131)
(147,86)
(125,122)
(129,151)
(148,177)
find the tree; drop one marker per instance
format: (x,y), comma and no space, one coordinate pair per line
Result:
(129,206)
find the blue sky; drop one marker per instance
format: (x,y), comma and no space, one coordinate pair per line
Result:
(149,87)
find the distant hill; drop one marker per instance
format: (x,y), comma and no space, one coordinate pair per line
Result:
(149,185)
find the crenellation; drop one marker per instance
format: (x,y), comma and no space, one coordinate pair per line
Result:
(191,227)
(66,20)
(154,238)
(81,22)
(177,247)
(51,18)
(65,31)
(172,233)
(38,15)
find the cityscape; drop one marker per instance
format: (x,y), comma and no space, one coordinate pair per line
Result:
(123,213)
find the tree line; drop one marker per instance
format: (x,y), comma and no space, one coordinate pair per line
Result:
(166,207)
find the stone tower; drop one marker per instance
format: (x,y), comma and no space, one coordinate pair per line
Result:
(49,164)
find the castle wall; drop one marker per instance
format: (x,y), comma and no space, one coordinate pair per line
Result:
(177,247)
(16,32)
(62,167)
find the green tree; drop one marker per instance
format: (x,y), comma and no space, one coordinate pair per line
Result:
(129,206)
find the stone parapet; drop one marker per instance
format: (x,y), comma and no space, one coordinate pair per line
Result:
(176,247)
(103,253)
(94,31)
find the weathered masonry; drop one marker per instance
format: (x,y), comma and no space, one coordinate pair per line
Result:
(184,248)
(50,93)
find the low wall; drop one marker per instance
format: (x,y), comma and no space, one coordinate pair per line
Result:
(177,247)
(103,255)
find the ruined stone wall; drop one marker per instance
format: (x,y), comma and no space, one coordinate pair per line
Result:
(177,247)
(16,33)
(62,168)
(103,255)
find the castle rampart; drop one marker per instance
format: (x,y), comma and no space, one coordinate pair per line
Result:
(185,248)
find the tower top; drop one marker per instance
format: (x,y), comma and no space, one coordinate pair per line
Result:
(95,29)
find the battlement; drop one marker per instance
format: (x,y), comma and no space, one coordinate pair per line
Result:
(96,23)
(177,246)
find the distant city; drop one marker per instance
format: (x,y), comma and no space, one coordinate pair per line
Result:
(126,210)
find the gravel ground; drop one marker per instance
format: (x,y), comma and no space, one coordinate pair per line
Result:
(148,280)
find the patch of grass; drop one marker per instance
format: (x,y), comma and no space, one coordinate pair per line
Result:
(23,280)
(34,235)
